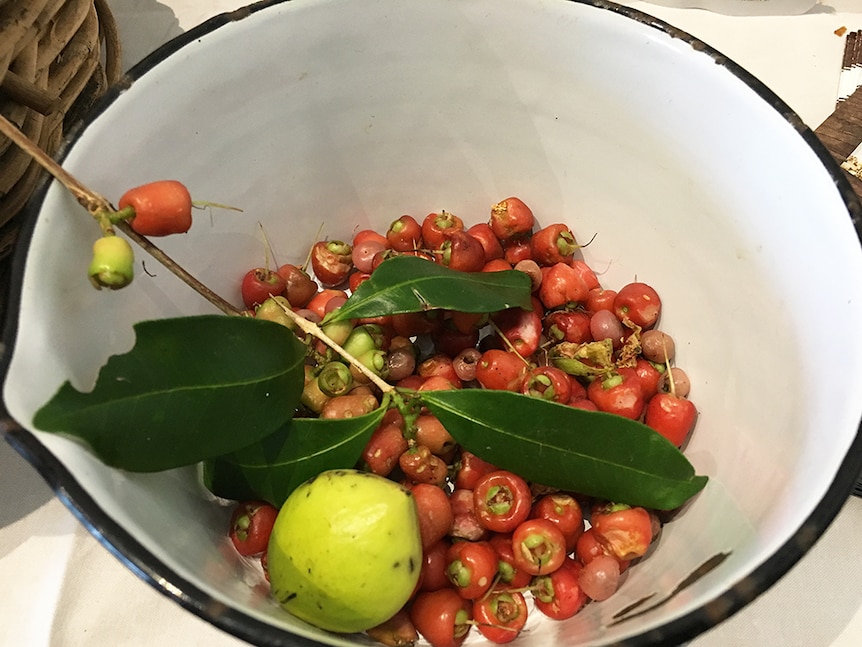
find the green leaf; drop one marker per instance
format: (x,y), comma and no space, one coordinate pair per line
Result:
(410,284)
(272,468)
(596,454)
(190,389)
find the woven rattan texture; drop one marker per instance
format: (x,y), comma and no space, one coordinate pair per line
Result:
(56,58)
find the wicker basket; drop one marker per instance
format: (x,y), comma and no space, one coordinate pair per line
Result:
(56,58)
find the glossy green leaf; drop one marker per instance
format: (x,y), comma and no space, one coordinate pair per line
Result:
(411,284)
(272,468)
(596,454)
(190,389)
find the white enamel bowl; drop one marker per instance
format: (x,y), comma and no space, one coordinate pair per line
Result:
(693,176)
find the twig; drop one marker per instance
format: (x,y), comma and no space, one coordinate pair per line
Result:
(157,253)
(313,329)
(99,207)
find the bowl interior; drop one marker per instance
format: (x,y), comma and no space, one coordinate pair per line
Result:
(691,176)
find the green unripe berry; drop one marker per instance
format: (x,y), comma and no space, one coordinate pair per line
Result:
(273,310)
(113,263)
(312,396)
(338,331)
(374,360)
(359,342)
(335,379)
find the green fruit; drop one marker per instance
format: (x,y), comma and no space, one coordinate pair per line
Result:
(273,310)
(345,553)
(113,263)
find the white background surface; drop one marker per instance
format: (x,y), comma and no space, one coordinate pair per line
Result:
(62,588)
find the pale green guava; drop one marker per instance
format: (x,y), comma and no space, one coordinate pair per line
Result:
(345,553)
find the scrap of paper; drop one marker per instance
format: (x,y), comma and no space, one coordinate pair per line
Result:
(853,163)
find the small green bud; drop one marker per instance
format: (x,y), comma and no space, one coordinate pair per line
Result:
(113,263)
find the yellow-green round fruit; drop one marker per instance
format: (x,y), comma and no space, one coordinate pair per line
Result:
(345,552)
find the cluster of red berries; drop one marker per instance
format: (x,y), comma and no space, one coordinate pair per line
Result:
(581,344)
(488,536)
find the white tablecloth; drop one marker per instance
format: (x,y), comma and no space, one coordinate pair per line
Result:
(63,589)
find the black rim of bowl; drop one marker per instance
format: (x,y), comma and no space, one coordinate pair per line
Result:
(144,564)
